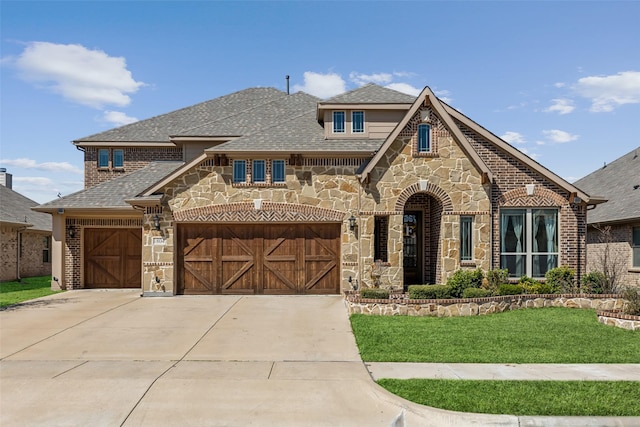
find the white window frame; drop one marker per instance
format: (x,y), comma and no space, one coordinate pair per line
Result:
(353,130)
(344,122)
(466,221)
(528,235)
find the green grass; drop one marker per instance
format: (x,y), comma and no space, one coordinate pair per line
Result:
(542,335)
(568,398)
(33,287)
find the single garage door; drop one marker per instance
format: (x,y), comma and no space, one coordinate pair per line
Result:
(258,258)
(112,257)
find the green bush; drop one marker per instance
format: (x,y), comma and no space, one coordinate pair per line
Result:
(632,307)
(496,278)
(594,282)
(532,286)
(509,289)
(429,292)
(561,279)
(476,293)
(463,279)
(374,293)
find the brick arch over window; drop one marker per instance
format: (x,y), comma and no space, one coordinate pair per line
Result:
(267,212)
(541,197)
(431,189)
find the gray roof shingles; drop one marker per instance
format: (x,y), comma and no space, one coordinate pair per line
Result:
(16,208)
(112,194)
(372,94)
(619,183)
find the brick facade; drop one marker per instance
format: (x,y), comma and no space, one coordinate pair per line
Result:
(134,158)
(29,247)
(618,244)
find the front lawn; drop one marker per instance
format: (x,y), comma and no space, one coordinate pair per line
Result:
(33,287)
(542,335)
(558,398)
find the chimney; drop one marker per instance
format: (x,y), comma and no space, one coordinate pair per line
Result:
(6,179)
(287,77)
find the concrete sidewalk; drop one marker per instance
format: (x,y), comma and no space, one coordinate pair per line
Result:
(486,371)
(111,358)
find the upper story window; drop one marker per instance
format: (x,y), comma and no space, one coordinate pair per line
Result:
(338,121)
(636,247)
(357,121)
(277,171)
(239,171)
(424,138)
(528,241)
(259,172)
(118,158)
(103,158)
(466,239)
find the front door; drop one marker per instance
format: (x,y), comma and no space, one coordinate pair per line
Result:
(412,248)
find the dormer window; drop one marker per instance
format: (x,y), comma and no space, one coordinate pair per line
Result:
(357,122)
(424,138)
(338,121)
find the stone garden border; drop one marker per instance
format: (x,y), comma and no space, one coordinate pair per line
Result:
(608,306)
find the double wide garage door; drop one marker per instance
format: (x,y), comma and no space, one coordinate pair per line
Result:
(258,258)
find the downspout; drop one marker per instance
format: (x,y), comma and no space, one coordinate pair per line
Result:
(19,251)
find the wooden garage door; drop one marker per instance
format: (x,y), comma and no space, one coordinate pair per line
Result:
(258,258)
(112,257)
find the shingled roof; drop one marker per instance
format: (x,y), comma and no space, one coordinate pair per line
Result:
(15,210)
(619,183)
(112,194)
(371,94)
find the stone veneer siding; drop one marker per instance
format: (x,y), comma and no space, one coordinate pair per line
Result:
(478,306)
(619,320)
(134,158)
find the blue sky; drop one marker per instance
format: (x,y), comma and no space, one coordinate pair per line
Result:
(558,80)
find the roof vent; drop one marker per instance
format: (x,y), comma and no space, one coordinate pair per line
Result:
(287,77)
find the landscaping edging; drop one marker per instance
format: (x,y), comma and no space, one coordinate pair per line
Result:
(618,319)
(402,306)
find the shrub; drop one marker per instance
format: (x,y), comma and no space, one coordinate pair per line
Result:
(594,282)
(476,293)
(374,293)
(463,279)
(496,278)
(532,286)
(509,289)
(429,292)
(562,279)
(632,306)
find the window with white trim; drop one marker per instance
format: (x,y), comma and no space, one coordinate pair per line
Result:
(277,171)
(239,171)
(636,247)
(338,122)
(357,122)
(424,138)
(528,241)
(259,174)
(466,239)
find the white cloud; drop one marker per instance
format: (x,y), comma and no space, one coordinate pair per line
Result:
(559,84)
(534,156)
(34,180)
(83,76)
(609,92)
(404,74)
(42,189)
(363,79)
(404,88)
(322,85)
(444,95)
(559,136)
(513,137)
(46,166)
(561,106)
(118,118)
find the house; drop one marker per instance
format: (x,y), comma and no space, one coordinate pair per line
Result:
(613,230)
(25,235)
(265,192)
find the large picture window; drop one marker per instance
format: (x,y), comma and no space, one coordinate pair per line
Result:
(528,241)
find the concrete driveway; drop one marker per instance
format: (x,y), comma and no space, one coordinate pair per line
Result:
(111,358)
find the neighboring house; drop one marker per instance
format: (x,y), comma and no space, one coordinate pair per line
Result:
(613,230)
(260,191)
(25,235)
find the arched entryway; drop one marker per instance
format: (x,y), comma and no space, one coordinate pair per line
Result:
(421,241)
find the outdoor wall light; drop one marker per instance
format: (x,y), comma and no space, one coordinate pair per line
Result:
(352,223)
(156,222)
(72,231)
